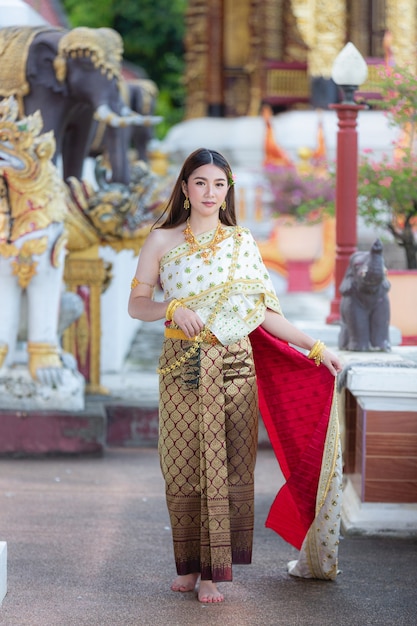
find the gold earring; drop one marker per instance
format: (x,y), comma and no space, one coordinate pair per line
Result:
(223,205)
(186,204)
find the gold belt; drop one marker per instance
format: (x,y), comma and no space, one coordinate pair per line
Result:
(177,333)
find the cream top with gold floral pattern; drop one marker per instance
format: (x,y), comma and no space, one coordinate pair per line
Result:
(200,283)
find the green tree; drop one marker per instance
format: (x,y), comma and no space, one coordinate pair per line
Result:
(92,13)
(387,188)
(152,33)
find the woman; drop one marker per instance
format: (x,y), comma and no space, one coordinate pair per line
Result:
(216,291)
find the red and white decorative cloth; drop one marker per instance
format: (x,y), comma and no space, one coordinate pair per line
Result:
(298,406)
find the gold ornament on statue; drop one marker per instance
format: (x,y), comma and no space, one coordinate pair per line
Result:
(104,46)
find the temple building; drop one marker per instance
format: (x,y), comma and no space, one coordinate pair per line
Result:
(241,54)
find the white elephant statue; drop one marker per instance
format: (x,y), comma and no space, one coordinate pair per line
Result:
(33,208)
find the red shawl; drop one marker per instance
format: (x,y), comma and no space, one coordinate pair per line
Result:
(295,399)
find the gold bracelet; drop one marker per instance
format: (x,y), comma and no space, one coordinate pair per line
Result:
(167,312)
(316,352)
(171,308)
(317,347)
(176,306)
(135,282)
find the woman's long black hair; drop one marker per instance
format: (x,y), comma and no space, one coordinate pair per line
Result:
(175,213)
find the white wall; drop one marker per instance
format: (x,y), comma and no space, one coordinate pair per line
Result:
(117,327)
(241,140)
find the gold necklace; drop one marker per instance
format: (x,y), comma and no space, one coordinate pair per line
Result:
(206,250)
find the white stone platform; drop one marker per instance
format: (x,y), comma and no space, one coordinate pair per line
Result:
(18,391)
(376,518)
(383,382)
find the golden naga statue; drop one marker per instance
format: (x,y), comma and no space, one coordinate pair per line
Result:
(35,191)
(115,215)
(32,239)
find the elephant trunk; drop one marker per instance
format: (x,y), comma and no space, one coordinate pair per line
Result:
(128,117)
(376,260)
(374,271)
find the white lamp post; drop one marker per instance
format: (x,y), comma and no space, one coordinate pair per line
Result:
(349,71)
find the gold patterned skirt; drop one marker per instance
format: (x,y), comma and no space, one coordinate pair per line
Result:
(208,437)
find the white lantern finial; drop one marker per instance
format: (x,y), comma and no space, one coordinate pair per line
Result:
(349,70)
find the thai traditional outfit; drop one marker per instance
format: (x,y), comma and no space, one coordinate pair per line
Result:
(209,410)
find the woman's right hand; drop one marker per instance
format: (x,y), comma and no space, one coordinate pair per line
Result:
(189,321)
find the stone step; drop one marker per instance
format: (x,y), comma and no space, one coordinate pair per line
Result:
(38,433)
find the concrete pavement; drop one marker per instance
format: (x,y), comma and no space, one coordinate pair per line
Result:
(89,545)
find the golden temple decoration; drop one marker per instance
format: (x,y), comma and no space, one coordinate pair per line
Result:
(29,127)
(196,52)
(322,24)
(239,62)
(7,250)
(305,13)
(83,345)
(256,24)
(295,49)
(272,28)
(85,269)
(24,266)
(360,34)
(401,22)
(102,217)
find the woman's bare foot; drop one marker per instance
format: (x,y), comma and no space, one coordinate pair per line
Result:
(185,583)
(208,592)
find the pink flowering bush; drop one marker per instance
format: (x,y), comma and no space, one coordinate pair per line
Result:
(387,189)
(399,87)
(307,197)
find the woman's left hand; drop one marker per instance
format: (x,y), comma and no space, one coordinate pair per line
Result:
(332,362)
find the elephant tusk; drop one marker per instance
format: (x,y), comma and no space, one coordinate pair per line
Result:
(138,119)
(104,114)
(128,118)
(144,120)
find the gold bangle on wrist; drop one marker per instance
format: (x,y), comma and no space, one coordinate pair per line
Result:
(168,316)
(316,352)
(176,306)
(171,308)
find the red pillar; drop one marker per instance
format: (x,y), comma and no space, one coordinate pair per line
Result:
(346,196)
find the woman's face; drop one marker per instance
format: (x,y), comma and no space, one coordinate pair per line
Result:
(206,189)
